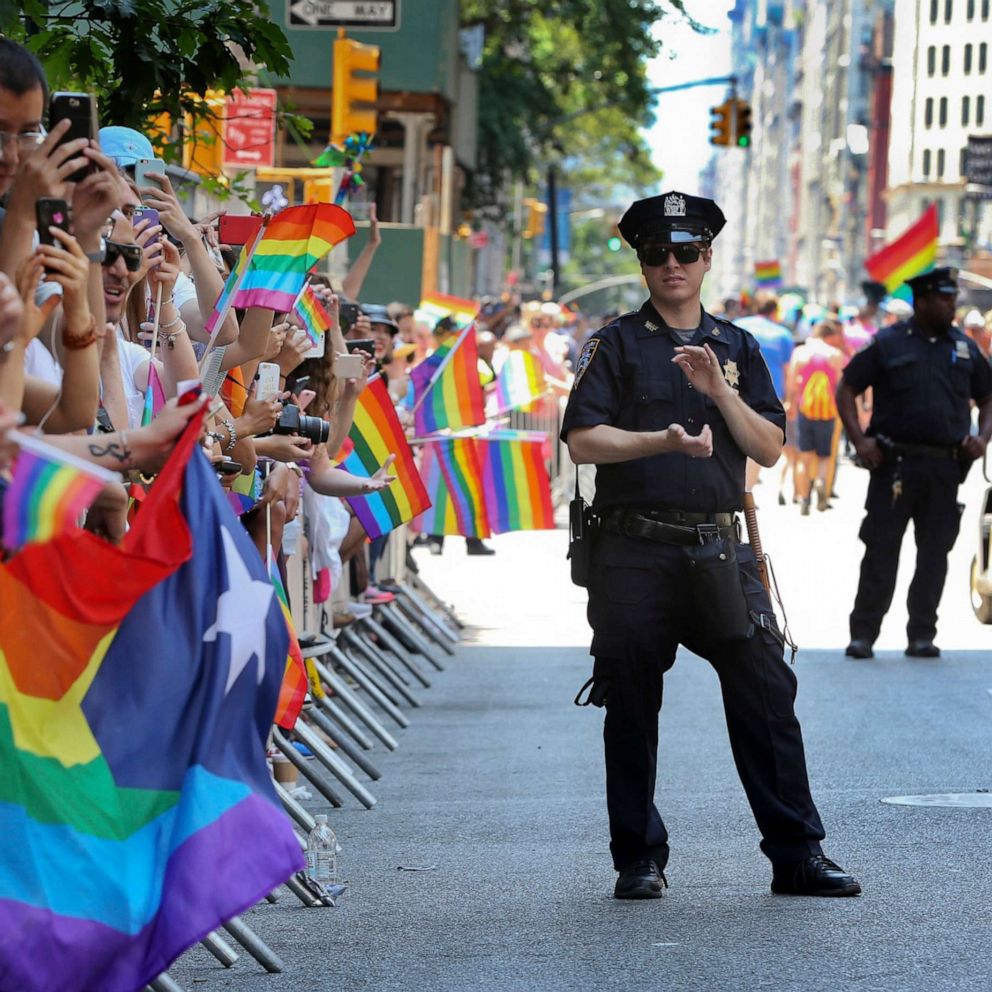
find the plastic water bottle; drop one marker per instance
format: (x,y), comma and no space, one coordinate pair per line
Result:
(322,852)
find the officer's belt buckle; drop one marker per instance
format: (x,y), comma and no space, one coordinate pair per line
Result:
(707,532)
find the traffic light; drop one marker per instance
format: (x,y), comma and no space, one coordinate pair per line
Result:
(743,129)
(534,223)
(352,57)
(721,126)
(613,242)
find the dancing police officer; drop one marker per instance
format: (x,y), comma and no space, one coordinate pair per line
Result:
(669,403)
(924,373)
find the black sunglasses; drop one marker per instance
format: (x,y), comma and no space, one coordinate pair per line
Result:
(658,254)
(131,253)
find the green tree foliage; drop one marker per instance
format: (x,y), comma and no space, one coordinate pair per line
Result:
(565,79)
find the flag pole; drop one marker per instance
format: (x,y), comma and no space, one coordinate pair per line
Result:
(156,322)
(444,364)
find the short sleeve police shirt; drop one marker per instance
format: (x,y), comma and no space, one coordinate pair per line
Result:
(625,377)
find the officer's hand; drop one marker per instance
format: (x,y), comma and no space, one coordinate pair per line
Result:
(869,453)
(972,447)
(694,445)
(702,369)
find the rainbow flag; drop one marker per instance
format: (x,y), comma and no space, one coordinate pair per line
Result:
(519,383)
(137,687)
(911,254)
(768,275)
(446,387)
(515,477)
(293,690)
(311,313)
(434,306)
(154,396)
(49,490)
(375,433)
(461,481)
(440,517)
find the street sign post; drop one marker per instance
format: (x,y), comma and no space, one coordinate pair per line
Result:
(249,136)
(365,15)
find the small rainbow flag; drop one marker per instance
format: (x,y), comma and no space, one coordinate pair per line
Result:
(293,690)
(272,271)
(154,396)
(519,383)
(768,275)
(375,433)
(49,490)
(460,483)
(446,387)
(912,253)
(311,313)
(517,486)
(434,306)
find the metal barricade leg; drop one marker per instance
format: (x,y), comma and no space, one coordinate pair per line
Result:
(379,662)
(417,614)
(220,949)
(343,744)
(398,624)
(362,677)
(345,722)
(295,811)
(344,694)
(335,765)
(423,589)
(390,643)
(164,983)
(297,759)
(254,945)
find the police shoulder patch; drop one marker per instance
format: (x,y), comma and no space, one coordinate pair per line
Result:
(585,359)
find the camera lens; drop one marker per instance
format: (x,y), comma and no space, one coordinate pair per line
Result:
(315,428)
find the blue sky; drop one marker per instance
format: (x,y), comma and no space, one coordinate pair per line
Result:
(680,138)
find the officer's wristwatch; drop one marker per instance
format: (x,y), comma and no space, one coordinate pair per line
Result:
(100,255)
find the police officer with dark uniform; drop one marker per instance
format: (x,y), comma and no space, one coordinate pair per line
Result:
(669,402)
(924,373)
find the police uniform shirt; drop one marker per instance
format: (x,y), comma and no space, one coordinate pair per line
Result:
(625,377)
(920,387)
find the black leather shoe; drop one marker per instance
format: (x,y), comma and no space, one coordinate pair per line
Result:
(816,876)
(859,649)
(474,546)
(923,649)
(641,880)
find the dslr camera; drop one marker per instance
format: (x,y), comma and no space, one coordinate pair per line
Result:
(292,420)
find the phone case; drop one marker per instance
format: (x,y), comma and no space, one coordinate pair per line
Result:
(51,212)
(237,229)
(268,380)
(348,366)
(80,110)
(145,165)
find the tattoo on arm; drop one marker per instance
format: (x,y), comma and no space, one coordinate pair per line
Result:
(119,451)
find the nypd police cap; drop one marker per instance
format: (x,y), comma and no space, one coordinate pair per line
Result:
(942,280)
(671,218)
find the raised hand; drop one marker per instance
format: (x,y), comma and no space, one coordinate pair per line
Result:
(694,445)
(702,368)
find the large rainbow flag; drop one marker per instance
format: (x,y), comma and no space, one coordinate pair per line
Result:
(519,383)
(375,433)
(458,487)
(447,390)
(911,254)
(271,272)
(434,306)
(49,490)
(137,687)
(516,482)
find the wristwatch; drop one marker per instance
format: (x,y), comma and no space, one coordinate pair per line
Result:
(100,255)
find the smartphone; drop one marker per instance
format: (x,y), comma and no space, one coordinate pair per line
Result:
(51,212)
(227,467)
(268,380)
(237,229)
(348,366)
(317,350)
(365,344)
(151,215)
(348,314)
(145,165)
(80,110)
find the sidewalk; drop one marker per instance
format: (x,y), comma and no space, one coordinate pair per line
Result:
(498,788)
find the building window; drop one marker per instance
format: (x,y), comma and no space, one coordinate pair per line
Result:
(926,163)
(928,112)
(967,59)
(943,111)
(934,5)
(940,163)
(983,57)
(945,60)
(948,11)
(971,10)
(965,110)
(931,60)
(985,10)
(980,110)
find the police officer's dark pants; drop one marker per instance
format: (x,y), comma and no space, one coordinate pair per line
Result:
(929,499)
(640,611)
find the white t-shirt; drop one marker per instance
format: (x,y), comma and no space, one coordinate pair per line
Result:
(41,363)
(132,357)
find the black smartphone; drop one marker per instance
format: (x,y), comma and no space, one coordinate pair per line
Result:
(51,212)
(80,110)
(227,467)
(348,314)
(365,344)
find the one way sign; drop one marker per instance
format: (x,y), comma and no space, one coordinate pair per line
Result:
(382,15)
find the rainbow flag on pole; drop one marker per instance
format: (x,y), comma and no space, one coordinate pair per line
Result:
(154,396)
(515,477)
(768,275)
(49,490)
(293,690)
(459,482)
(911,254)
(446,387)
(375,433)
(434,306)
(311,313)
(519,383)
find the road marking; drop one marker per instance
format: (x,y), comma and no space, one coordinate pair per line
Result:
(663,944)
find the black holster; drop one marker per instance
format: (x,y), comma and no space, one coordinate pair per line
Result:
(717,590)
(582,526)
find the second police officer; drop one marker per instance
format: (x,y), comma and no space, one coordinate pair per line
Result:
(668,402)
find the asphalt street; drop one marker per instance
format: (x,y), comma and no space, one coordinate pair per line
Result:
(497,790)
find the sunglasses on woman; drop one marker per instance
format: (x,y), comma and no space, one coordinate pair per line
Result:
(658,254)
(130,253)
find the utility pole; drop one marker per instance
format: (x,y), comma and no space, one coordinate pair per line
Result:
(553,228)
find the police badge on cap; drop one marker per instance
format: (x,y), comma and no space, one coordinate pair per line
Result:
(671,218)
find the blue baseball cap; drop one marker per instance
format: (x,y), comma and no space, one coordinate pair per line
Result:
(125,145)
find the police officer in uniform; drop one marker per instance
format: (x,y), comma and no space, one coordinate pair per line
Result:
(669,402)
(923,373)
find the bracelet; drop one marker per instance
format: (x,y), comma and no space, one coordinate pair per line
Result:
(170,339)
(84,340)
(215,436)
(229,424)
(178,319)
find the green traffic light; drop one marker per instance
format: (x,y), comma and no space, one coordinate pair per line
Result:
(743,141)
(613,244)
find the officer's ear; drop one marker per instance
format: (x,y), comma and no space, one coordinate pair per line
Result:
(707,255)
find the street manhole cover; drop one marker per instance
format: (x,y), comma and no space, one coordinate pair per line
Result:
(972,800)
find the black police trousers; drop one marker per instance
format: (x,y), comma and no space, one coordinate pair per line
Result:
(929,498)
(640,610)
